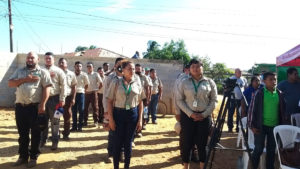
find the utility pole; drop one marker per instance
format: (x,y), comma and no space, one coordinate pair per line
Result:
(11,26)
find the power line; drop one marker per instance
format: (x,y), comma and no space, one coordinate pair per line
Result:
(157,22)
(109,30)
(156,25)
(32,30)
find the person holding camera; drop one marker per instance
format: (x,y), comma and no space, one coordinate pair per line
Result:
(125,107)
(196,98)
(235,102)
(33,89)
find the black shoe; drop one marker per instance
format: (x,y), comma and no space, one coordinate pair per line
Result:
(154,122)
(66,138)
(31,163)
(229,130)
(84,124)
(43,143)
(73,130)
(20,161)
(54,146)
(237,130)
(79,130)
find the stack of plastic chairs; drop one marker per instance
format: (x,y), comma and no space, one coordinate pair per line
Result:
(288,135)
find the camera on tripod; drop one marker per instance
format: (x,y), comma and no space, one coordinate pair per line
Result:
(229,85)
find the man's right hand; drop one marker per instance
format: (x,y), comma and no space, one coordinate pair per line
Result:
(30,78)
(42,109)
(112,125)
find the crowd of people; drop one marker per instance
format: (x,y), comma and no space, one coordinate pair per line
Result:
(123,99)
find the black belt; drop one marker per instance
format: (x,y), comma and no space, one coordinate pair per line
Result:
(122,109)
(25,105)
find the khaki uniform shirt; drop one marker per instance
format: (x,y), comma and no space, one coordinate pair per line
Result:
(106,84)
(82,81)
(58,79)
(175,90)
(31,92)
(71,81)
(95,81)
(206,96)
(100,91)
(156,84)
(134,98)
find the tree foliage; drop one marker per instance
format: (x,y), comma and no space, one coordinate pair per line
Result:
(169,51)
(83,48)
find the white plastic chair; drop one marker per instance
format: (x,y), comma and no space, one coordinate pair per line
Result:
(240,134)
(251,144)
(295,119)
(288,134)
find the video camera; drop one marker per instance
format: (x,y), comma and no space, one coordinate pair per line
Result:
(229,85)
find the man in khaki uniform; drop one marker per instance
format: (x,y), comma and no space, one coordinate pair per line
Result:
(33,88)
(81,87)
(157,90)
(146,87)
(91,94)
(57,96)
(100,95)
(70,93)
(107,82)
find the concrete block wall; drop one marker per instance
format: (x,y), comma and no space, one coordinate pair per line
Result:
(167,71)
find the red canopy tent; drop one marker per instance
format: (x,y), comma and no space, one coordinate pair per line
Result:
(290,58)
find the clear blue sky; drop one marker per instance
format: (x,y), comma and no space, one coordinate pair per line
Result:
(237,33)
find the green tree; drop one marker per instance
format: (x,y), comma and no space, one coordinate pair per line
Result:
(169,51)
(81,48)
(93,47)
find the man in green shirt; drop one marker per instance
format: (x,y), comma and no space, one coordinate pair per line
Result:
(266,111)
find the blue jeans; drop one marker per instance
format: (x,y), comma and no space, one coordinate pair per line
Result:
(234,106)
(259,142)
(126,121)
(152,108)
(78,106)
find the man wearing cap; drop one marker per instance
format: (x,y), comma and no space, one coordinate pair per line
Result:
(91,96)
(70,93)
(57,96)
(33,88)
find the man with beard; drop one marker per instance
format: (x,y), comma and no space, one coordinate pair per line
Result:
(70,93)
(33,88)
(57,97)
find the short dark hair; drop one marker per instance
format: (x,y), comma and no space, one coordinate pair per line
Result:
(49,53)
(195,61)
(105,64)
(137,65)
(99,68)
(61,59)
(267,74)
(118,59)
(124,63)
(291,70)
(152,69)
(90,63)
(78,62)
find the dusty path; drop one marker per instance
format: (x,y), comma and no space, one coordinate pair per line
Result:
(158,148)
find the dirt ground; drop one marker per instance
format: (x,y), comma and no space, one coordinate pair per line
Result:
(157,149)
